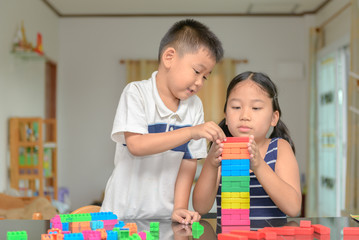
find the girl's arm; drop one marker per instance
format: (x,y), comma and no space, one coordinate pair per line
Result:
(205,190)
(283,185)
(152,143)
(183,187)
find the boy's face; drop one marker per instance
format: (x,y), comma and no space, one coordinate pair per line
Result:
(188,72)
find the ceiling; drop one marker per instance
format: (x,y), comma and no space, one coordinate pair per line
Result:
(136,8)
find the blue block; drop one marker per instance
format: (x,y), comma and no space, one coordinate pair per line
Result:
(65,226)
(120,224)
(103,216)
(96,225)
(73,236)
(112,235)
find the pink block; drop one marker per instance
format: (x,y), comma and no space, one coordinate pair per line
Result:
(110,222)
(235,222)
(55,219)
(142,235)
(235,211)
(228,229)
(57,225)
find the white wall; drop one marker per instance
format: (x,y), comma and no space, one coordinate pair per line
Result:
(22,81)
(91,80)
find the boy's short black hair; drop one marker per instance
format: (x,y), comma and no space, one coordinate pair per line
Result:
(188,36)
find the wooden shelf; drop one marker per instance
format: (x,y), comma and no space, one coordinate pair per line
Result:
(33,156)
(28,55)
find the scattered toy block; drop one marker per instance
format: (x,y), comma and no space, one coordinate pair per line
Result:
(305,223)
(280,230)
(301,231)
(227,236)
(320,229)
(269,235)
(351,231)
(249,234)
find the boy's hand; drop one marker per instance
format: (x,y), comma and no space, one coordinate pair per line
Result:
(185,216)
(209,130)
(214,155)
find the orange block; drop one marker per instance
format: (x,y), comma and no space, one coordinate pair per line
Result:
(235,156)
(103,233)
(235,145)
(132,227)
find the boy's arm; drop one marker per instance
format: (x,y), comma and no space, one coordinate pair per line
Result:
(152,143)
(183,187)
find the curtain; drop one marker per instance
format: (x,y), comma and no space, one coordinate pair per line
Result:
(213,92)
(352,181)
(310,191)
(139,69)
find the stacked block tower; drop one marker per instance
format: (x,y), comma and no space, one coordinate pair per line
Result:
(235,184)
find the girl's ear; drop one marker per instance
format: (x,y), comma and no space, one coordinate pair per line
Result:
(168,57)
(275,119)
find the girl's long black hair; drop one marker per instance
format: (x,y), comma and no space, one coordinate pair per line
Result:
(280,130)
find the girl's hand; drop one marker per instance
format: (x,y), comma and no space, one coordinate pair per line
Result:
(215,153)
(254,155)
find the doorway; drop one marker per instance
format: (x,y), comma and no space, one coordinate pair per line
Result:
(332,130)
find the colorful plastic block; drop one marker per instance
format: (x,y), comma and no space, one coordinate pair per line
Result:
(320,229)
(227,236)
(16,235)
(351,231)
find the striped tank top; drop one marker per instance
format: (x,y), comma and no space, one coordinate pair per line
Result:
(261,206)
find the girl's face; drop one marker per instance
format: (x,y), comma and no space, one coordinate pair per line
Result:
(249,111)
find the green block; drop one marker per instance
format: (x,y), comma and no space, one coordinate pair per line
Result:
(235,189)
(135,236)
(149,235)
(124,234)
(16,235)
(197,230)
(235,178)
(154,226)
(81,217)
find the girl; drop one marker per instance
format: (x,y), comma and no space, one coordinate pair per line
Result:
(251,109)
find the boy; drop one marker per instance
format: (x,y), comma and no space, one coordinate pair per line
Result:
(160,131)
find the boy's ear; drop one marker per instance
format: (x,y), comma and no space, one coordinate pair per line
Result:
(275,118)
(168,56)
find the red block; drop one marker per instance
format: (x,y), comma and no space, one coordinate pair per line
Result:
(321,236)
(305,223)
(249,234)
(351,231)
(301,230)
(226,236)
(269,235)
(280,230)
(318,228)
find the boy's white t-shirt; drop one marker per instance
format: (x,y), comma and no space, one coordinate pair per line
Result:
(143,187)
